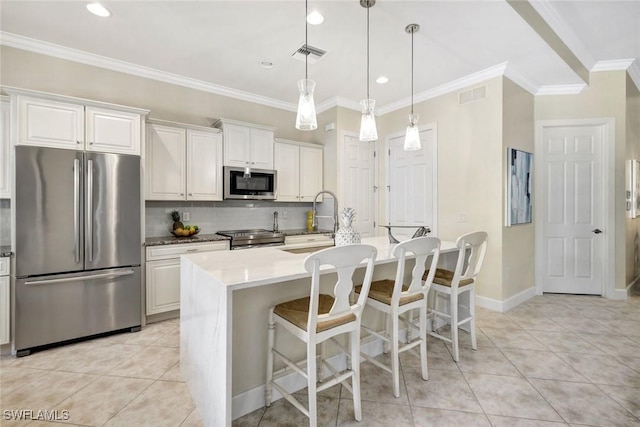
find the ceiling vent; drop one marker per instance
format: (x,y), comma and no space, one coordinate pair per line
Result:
(472,95)
(307,51)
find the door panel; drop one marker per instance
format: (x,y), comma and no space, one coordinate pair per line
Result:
(112,219)
(49,210)
(575,191)
(358,183)
(412,185)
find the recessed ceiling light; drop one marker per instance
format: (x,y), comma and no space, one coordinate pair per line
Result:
(382,80)
(99,10)
(266,64)
(315,18)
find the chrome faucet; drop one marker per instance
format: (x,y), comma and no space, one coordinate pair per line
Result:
(275,222)
(335,211)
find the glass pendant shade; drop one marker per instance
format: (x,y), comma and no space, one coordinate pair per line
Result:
(368,130)
(306,117)
(412,137)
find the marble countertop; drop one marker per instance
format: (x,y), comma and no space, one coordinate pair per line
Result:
(5,250)
(263,266)
(172,240)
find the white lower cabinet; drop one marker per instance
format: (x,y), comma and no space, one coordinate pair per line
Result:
(5,301)
(163,273)
(308,241)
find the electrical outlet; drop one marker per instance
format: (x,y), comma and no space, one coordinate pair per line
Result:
(186,216)
(285,214)
(462,217)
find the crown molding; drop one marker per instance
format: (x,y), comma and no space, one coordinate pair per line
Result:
(551,16)
(631,66)
(471,79)
(520,80)
(62,52)
(634,73)
(615,65)
(561,89)
(337,101)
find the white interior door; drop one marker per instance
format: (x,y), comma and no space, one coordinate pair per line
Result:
(412,185)
(358,183)
(572,190)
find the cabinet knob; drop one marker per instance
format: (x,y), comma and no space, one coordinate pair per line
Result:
(182,194)
(191,194)
(246,163)
(78,142)
(253,163)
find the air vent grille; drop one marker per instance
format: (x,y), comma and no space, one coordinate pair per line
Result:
(307,51)
(472,95)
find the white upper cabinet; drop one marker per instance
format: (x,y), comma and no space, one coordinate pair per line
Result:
(112,131)
(204,165)
(287,163)
(166,163)
(247,145)
(47,123)
(80,124)
(311,172)
(5,152)
(183,163)
(300,171)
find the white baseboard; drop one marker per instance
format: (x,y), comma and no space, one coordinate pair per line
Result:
(508,304)
(620,294)
(247,402)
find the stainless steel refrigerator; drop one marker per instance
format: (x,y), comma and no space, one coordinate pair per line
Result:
(78,245)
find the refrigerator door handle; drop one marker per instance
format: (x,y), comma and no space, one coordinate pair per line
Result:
(80,278)
(90,209)
(76,208)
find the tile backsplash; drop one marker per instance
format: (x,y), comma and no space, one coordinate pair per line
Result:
(5,222)
(233,215)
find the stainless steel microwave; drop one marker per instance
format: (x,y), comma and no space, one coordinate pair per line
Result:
(250,184)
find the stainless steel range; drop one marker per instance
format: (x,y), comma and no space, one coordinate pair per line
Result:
(245,239)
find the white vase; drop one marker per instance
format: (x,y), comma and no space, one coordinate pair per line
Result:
(347,235)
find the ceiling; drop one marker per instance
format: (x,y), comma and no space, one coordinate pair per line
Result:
(218,45)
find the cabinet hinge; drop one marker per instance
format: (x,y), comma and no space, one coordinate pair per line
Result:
(388,188)
(374,154)
(389,151)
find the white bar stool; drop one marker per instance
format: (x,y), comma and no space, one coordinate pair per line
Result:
(394,299)
(451,284)
(320,317)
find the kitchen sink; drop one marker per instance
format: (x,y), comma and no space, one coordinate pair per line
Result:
(306,250)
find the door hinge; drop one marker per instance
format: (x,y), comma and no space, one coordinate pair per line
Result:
(388,188)
(389,151)
(375,188)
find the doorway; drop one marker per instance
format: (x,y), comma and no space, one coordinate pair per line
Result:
(574,206)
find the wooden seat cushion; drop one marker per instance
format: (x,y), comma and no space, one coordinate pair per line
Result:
(297,312)
(445,277)
(382,290)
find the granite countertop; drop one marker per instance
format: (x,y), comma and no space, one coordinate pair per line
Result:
(303,231)
(199,238)
(172,240)
(5,251)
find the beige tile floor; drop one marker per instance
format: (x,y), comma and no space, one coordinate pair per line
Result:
(554,360)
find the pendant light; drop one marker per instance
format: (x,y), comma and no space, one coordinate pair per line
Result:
(412,137)
(368,131)
(306,117)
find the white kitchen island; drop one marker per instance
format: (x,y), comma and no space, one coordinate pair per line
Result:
(224,300)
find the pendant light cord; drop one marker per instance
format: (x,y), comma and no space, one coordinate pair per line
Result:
(412,31)
(369,7)
(306,39)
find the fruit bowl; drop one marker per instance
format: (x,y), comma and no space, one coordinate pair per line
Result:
(191,233)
